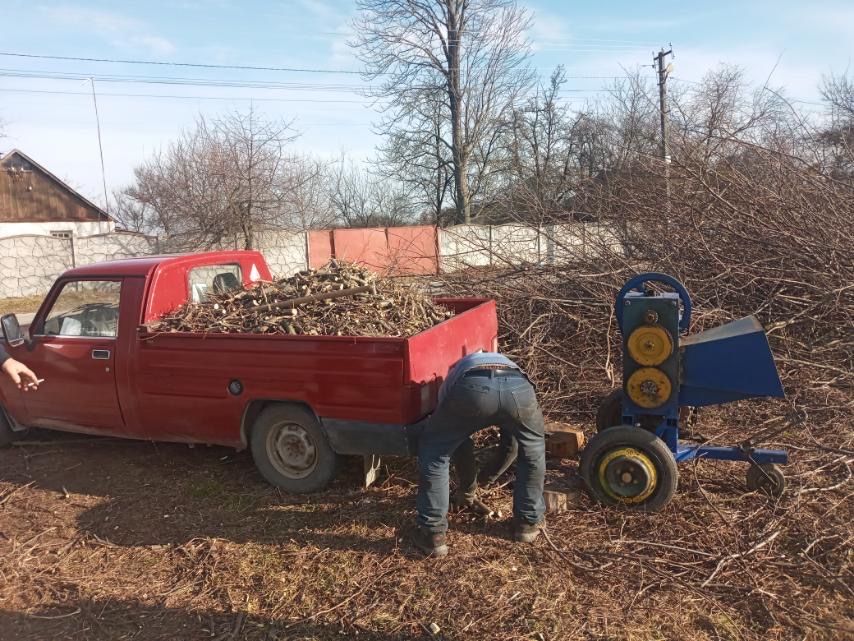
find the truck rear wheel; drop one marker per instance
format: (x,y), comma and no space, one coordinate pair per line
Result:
(291,450)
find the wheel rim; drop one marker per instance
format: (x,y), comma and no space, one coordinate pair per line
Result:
(292,450)
(627,475)
(765,479)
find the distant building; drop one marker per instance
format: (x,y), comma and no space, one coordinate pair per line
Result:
(34,201)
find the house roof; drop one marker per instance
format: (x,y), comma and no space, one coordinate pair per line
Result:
(76,194)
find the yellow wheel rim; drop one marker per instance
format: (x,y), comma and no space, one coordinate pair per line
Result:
(650,345)
(649,387)
(627,475)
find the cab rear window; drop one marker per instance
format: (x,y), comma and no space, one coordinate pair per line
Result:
(213,279)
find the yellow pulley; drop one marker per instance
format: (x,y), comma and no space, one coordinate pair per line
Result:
(649,387)
(649,345)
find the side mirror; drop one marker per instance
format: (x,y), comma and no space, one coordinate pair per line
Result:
(12,330)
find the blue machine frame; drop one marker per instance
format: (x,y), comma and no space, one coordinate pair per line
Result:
(721,365)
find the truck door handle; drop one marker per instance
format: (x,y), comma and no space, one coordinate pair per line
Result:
(101,354)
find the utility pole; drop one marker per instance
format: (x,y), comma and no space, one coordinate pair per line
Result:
(663,73)
(101,151)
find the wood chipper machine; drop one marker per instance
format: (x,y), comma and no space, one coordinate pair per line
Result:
(631,461)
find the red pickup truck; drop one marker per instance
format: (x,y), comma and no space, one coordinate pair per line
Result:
(298,402)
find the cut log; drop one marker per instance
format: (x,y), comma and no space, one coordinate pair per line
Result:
(563,441)
(558,502)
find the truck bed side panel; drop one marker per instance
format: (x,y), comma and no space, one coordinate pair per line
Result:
(183,380)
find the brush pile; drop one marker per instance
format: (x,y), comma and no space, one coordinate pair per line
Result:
(338,300)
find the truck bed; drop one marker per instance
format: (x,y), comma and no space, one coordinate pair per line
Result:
(376,380)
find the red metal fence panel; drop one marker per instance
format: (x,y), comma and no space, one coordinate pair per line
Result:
(413,250)
(319,248)
(386,250)
(366,246)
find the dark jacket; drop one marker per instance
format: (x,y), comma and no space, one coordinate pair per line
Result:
(3,355)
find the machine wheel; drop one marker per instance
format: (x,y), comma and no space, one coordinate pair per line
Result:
(610,412)
(767,478)
(291,450)
(629,467)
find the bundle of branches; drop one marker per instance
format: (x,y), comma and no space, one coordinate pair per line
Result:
(749,230)
(759,233)
(557,322)
(338,300)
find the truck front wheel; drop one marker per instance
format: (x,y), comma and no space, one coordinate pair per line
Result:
(291,450)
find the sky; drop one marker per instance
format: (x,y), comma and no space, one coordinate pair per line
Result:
(142,107)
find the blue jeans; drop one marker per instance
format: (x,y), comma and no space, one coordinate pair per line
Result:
(476,402)
(501,460)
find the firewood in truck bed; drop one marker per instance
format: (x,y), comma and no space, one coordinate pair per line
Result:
(338,300)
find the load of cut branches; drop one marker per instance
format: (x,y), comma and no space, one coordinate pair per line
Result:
(340,299)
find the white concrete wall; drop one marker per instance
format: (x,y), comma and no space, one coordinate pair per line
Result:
(515,245)
(285,252)
(97,249)
(29,264)
(464,246)
(44,229)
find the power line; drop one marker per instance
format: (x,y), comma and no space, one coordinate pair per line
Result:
(108,94)
(220,83)
(104,94)
(581,48)
(175,64)
(169,80)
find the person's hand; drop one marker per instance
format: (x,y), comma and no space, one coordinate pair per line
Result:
(21,375)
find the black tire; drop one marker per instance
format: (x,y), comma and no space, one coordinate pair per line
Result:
(610,412)
(291,450)
(767,478)
(657,491)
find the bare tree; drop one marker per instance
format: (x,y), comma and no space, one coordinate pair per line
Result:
(473,53)
(306,203)
(838,91)
(416,156)
(545,150)
(838,135)
(360,199)
(131,214)
(218,184)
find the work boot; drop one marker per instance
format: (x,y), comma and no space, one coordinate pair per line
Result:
(525,532)
(431,544)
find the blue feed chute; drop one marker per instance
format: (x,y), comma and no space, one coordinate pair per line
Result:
(632,460)
(728,363)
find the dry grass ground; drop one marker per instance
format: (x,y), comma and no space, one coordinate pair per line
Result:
(24,305)
(107,539)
